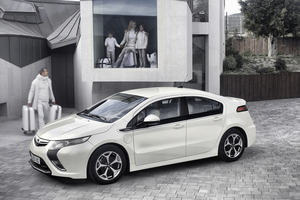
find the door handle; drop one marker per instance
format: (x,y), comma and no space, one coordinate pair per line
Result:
(177,126)
(217,119)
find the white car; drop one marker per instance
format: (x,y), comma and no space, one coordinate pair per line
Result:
(141,129)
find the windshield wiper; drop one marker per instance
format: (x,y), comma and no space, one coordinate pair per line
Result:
(94,116)
(98,117)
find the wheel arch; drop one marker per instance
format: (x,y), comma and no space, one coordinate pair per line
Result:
(242,131)
(114,144)
(221,154)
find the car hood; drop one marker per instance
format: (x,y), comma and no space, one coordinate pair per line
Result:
(72,127)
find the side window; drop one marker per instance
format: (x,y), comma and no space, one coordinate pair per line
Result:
(198,105)
(164,109)
(216,105)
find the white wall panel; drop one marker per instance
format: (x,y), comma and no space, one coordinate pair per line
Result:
(15,83)
(174,50)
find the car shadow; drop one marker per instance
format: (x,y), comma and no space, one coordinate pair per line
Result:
(156,173)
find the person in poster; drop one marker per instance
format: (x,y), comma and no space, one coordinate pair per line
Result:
(141,46)
(110,44)
(129,43)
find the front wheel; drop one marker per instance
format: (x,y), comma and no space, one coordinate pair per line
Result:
(107,164)
(232,145)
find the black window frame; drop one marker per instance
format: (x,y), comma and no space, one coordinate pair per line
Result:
(184,113)
(208,113)
(133,124)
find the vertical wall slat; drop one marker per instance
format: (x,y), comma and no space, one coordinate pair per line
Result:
(261,87)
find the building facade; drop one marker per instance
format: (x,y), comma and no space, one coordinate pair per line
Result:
(234,24)
(186,43)
(190,47)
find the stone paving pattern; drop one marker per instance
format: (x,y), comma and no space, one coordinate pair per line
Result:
(270,169)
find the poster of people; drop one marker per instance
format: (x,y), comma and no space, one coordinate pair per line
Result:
(125,33)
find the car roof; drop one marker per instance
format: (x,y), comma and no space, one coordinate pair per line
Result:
(165,91)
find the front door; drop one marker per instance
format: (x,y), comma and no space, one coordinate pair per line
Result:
(164,140)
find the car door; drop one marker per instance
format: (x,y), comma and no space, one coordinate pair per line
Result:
(163,140)
(204,124)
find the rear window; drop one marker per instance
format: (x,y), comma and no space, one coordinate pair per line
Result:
(199,105)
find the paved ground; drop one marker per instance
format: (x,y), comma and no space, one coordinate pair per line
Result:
(270,169)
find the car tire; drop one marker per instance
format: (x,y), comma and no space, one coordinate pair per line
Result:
(232,145)
(107,164)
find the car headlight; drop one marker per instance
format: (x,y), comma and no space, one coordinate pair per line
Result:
(64,143)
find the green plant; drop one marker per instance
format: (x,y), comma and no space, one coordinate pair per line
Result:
(246,60)
(271,19)
(265,70)
(239,60)
(280,64)
(230,51)
(229,63)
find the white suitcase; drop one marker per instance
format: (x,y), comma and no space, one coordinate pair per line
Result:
(28,119)
(104,63)
(54,113)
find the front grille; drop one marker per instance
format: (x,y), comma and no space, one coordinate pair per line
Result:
(40,142)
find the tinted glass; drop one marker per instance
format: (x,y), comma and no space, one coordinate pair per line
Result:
(200,10)
(198,105)
(113,108)
(113,26)
(216,105)
(165,109)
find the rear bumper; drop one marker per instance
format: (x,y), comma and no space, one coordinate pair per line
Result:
(251,135)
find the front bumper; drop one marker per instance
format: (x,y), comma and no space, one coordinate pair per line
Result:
(73,158)
(42,167)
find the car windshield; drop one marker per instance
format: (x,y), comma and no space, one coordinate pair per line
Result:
(113,108)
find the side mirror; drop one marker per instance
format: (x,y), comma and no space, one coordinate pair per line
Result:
(152,120)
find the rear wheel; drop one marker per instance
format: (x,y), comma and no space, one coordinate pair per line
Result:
(107,164)
(232,145)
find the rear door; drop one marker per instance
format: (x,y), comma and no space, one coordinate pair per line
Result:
(204,124)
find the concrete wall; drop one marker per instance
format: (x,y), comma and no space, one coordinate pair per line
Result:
(214,29)
(10,89)
(105,89)
(89,93)
(83,90)
(15,83)
(93,87)
(175,62)
(214,40)
(174,21)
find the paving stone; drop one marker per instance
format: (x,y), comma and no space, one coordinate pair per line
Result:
(268,170)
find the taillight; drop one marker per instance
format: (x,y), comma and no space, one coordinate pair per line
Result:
(242,108)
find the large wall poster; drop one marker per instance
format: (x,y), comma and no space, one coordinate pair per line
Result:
(125,33)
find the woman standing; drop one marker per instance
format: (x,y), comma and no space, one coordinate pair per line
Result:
(141,46)
(129,43)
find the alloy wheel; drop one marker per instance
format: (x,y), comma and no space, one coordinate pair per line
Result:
(108,165)
(233,145)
